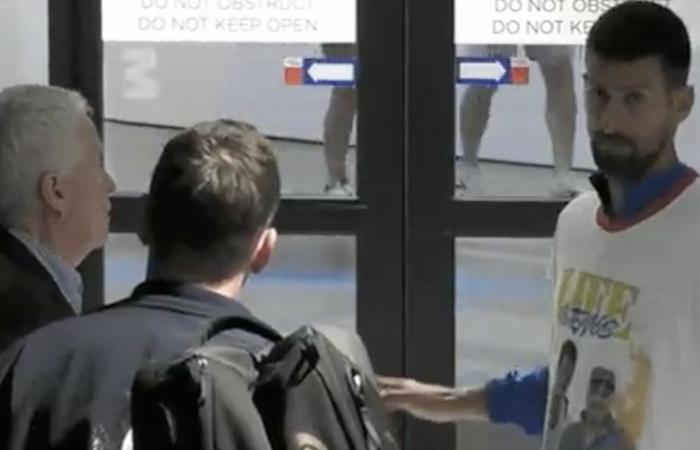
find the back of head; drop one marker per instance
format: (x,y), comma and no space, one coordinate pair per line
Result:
(215,188)
(38,134)
(635,30)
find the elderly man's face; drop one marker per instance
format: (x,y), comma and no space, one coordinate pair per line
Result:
(87,188)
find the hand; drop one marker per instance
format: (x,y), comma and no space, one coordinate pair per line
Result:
(408,394)
(430,401)
(642,364)
(631,406)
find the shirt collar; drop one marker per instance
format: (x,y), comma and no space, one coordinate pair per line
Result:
(207,303)
(641,195)
(67,278)
(196,300)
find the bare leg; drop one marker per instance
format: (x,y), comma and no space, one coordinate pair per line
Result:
(474,112)
(337,124)
(561,112)
(337,128)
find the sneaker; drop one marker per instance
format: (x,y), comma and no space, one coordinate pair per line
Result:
(468,179)
(564,186)
(339,190)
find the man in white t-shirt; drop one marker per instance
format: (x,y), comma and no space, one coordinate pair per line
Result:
(626,270)
(626,257)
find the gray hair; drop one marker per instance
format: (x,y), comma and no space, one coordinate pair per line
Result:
(38,134)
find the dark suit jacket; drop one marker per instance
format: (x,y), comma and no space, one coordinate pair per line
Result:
(29,296)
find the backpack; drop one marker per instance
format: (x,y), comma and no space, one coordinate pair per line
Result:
(302,394)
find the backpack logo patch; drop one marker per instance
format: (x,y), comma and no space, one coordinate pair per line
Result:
(305,441)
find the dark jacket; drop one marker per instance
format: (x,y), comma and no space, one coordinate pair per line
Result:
(29,296)
(69,382)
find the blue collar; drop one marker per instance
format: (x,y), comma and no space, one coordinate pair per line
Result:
(640,195)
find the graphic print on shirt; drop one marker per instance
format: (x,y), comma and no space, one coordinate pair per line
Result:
(600,364)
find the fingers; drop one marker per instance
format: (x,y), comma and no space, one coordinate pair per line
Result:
(395,383)
(397,393)
(396,401)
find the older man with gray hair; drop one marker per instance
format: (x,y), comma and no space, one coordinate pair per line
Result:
(54,205)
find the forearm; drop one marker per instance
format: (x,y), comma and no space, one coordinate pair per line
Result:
(513,399)
(451,405)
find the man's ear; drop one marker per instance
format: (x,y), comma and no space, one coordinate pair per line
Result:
(685,101)
(263,250)
(52,192)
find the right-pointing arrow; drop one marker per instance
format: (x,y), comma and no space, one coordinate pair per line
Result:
(481,70)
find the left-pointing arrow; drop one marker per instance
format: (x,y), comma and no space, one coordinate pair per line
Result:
(331,72)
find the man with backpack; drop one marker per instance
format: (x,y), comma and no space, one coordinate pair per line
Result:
(213,196)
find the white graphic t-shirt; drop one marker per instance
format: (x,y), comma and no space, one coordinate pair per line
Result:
(625,368)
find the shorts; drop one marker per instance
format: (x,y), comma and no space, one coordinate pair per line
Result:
(339,50)
(534,52)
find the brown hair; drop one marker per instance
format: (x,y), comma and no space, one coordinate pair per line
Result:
(214,189)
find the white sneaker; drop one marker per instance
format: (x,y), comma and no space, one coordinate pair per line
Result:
(564,186)
(338,189)
(468,179)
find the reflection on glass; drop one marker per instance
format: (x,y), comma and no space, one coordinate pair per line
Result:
(526,138)
(310,279)
(24,49)
(555,63)
(504,282)
(337,126)
(164,70)
(501,323)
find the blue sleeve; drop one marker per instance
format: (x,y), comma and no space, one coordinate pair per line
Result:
(519,400)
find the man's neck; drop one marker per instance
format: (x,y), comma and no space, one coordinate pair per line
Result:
(618,187)
(617,195)
(229,288)
(43,233)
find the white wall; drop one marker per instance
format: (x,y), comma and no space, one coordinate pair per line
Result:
(177,84)
(24,49)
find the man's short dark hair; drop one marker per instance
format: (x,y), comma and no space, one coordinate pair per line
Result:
(214,189)
(639,29)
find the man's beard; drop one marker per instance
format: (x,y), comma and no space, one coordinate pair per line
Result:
(618,157)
